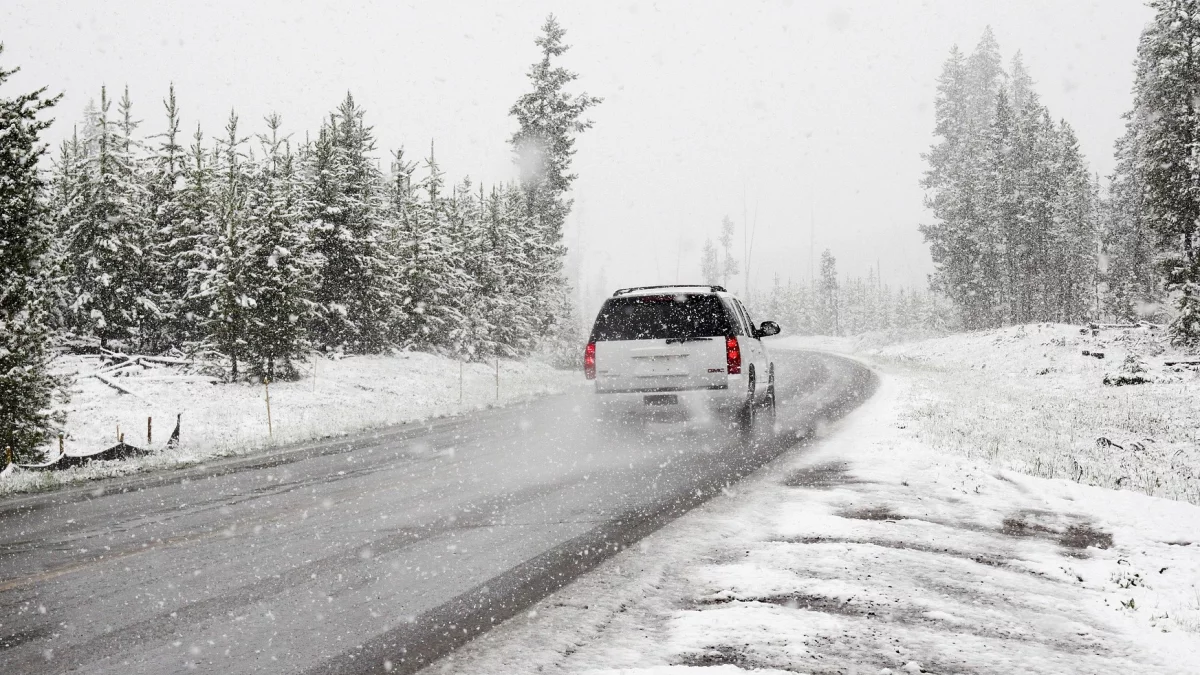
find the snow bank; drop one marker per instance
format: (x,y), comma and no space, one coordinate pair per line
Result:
(216,420)
(1033,399)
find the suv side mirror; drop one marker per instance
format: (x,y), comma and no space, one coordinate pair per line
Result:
(767,328)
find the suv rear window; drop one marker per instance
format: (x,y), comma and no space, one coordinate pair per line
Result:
(657,317)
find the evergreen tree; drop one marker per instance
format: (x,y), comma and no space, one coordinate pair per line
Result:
(710,264)
(729,266)
(827,309)
(952,236)
(172,238)
(1167,110)
(550,118)
(1129,241)
(106,242)
(1075,236)
(430,267)
(345,204)
(279,269)
(193,249)
(224,284)
(1014,236)
(26,386)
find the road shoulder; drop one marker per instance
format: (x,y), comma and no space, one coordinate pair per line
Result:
(869,552)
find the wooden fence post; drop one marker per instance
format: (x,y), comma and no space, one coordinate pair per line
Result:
(497,378)
(267,387)
(149,431)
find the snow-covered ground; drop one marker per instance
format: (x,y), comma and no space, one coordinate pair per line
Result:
(1033,399)
(343,396)
(898,544)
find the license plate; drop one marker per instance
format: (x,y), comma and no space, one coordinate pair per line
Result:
(662,399)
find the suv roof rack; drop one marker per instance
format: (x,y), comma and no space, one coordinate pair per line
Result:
(714,289)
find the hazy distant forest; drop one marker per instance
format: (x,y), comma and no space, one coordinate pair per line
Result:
(1021,230)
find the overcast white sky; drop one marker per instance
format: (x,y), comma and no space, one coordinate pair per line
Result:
(818,108)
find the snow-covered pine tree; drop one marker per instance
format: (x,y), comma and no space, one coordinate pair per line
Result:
(516,315)
(1074,237)
(1004,186)
(1029,184)
(1167,106)
(550,118)
(67,203)
(950,196)
(495,292)
(710,263)
(174,237)
(106,242)
(429,267)
(827,296)
(1129,240)
(225,252)
(996,230)
(729,264)
(345,203)
(279,267)
(465,233)
(26,386)
(193,250)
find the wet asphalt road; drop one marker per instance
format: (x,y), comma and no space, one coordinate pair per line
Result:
(392,547)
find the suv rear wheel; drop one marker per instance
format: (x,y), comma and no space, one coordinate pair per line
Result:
(747,415)
(767,418)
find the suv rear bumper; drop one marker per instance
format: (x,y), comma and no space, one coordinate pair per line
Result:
(725,397)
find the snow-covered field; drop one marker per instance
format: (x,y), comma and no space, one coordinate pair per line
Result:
(903,542)
(217,420)
(1029,399)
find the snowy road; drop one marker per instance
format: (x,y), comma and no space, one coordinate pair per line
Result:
(386,549)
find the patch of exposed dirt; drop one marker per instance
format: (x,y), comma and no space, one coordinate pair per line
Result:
(871,513)
(1076,536)
(823,476)
(722,655)
(981,558)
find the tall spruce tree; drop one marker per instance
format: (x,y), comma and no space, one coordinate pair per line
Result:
(1014,234)
(107,235)
(345,204)
(224,285)
(173,239)
(279,267)
(710,263)
(828,319)
(1167,110)
(549,120)
(193,251)
(26,386)
(1130,246)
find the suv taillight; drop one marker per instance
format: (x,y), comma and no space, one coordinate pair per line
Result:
(733,356)
(589,361)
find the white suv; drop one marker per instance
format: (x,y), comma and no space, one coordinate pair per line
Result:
(685,346)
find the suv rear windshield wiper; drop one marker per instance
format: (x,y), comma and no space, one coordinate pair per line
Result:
(677,340)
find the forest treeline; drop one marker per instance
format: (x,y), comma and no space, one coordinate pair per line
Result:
(833,305)
(1023,232)
(252,246)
